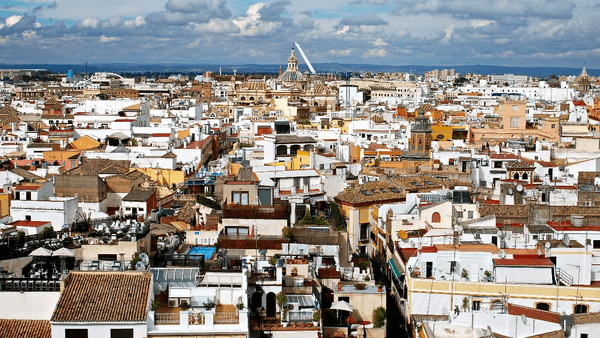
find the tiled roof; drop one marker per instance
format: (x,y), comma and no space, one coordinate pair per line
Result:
(138,196)
(33,224)
(517,310)
(25,174)
(96,166)
(586,318)
(285,139)
(532,262)
(372,192)
(30,328)
(8,114)
(95,297)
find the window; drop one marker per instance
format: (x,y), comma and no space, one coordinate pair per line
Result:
(239,197)
(28,218)
(76,333)
(515,107)
(583,335)
(543,306)
(121,333)
(580,308)
(497,164)
(364,228)
(497,306)
(514,122)
(476,305)
(28,195)
(553,126)
(453,267)
(470,215)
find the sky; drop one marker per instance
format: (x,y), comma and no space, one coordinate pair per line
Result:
(529,33)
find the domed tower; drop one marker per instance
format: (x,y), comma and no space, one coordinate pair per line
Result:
(420,138)
(292,74)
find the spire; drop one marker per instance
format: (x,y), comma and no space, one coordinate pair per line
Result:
(584,71)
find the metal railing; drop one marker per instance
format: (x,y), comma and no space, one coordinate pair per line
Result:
(166,318)
(300,316)
(226,318)
(564,277)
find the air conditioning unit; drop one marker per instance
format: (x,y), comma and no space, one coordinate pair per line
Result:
(173,302)
(294,307)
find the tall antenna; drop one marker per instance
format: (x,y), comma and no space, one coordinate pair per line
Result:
(86,70)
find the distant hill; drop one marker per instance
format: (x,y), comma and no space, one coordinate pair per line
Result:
(319,67)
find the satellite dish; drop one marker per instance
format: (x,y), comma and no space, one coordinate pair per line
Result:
(449,195)
(444,311)
(499,233)
(547,245)
(519,188)
(139,266)
(566,240)
(510,191)
(502,254)
(412,243)
(524,318)
(539,252)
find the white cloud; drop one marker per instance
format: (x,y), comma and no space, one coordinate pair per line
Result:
(3,40)
(89,23)
(37,25)
(1,25)
(28,34)
(13,20)
(251,25)
(138,21)
(105,39)
(340,52)
(216,26)
(379,42)
(379,52)
(481,23)
(449,31)
(342,30)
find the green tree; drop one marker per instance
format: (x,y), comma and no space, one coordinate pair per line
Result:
(20,238)
(380,314)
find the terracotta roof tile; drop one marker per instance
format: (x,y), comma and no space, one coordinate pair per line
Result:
(517,310)
(30,328)
(372,192)
(95,297)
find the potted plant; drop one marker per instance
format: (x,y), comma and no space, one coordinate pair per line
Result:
(184,305)
(360,286)
(380,287)
(464,274)
(284,317)
(155,305)
(339,286)
(294,271)
(367,278)
(281,299)
(273,261)
(316,317)
(465,303)
(209,305)
(240,304)
(488,275)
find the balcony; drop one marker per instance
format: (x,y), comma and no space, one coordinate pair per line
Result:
(255,211)
(195,321)
(249,242)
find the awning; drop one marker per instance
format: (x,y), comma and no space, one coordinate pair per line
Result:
(394,268)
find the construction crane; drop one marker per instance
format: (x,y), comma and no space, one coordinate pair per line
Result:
(312,70)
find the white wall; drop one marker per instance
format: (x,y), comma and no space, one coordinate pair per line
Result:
(99,330)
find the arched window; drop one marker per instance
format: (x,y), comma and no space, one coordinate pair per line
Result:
(497,306)
(543,306)
(580,308)
(516,176)
(436,218)
(525,176)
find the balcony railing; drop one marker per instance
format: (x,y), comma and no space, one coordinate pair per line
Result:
(255,211)
(226,318)
(166,318)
